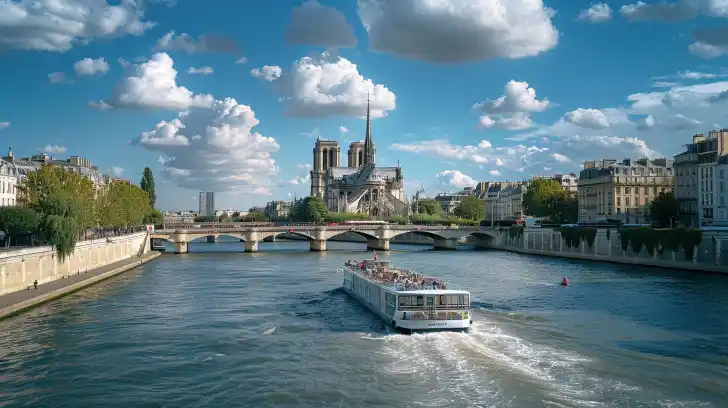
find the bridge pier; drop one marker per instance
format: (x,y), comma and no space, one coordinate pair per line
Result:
(180,247)
(211,239)
(251,246)
(377,244)
(448,244)
(317,245)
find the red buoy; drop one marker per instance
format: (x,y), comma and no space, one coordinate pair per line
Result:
(565,281)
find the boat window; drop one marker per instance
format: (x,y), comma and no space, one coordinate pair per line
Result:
(420,301)
(404,300)
(443,300)
(430,301)
(461,299)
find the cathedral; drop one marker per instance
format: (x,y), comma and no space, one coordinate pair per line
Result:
(361,187)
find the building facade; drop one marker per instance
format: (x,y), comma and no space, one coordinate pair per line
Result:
(711,172)
(278,210)
(14,170)
(622,191)
(686,185)
(504,200)
(362,187)
(206,201)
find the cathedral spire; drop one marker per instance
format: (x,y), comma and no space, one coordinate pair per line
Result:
(369,152)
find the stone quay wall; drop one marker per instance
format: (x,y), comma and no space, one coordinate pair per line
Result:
(19,268)
(710,256)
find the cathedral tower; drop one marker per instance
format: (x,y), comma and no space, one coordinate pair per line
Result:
(326,154)
(370,152)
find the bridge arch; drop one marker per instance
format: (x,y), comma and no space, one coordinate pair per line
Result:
(334,234)
(428,234)
(197,237)
(265,235)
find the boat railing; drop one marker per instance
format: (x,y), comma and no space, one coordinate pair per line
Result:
(438,315)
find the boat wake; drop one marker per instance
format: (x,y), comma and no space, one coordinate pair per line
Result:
(487,366)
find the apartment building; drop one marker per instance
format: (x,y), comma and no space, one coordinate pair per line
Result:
(278,210)
(623,191)
(711,171)
(686,185)
(504,200)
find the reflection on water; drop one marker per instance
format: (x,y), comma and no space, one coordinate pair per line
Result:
(219,327)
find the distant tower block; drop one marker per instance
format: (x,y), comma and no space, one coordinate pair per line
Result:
(356,154)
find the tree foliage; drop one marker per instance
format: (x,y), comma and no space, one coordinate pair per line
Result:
(470,208)
(539,198)
(67,205)
(427,206)
(18,221)
(154,217)
(147,184)
(546,198)
(310,209)
(123,205)
(664,209)
(661,239)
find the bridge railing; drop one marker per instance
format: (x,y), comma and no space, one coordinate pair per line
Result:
(238,225)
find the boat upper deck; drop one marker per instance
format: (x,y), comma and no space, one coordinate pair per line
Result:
(398,279)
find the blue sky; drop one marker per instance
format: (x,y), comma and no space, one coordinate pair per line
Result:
(465,90)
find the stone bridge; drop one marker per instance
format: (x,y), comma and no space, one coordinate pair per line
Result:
(377,236)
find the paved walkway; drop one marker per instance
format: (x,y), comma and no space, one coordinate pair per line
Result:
(14,298)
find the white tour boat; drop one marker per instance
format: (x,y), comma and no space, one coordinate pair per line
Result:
(409,301)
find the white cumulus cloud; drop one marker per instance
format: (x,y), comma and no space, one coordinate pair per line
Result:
(315,24)
(4,125)
(588,118)
(153,85)
(511,110)
(116,171)
(215,149)
(494,173)
(206,70)
(482,29)
(596,13)
(56,26)
(343,129)
(269,72)
(456,178)
(58,78)
(206,43)
(54,149)
(88,66)
(327,85)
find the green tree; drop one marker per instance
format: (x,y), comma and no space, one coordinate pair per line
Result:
(664,209)
(471,208)
(60,224)
(54,181)
(255,216)
(154,216)
(123,205)
(427,206)
(17,221)
(310,209)
(564,209)
(543,197)
(147,184)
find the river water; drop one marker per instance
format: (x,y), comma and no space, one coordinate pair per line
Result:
(222,328)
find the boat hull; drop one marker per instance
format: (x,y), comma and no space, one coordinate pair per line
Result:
(413,326)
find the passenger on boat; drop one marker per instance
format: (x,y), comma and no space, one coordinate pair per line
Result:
(402,278)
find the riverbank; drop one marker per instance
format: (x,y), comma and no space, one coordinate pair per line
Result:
(19,301)
(710,256)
